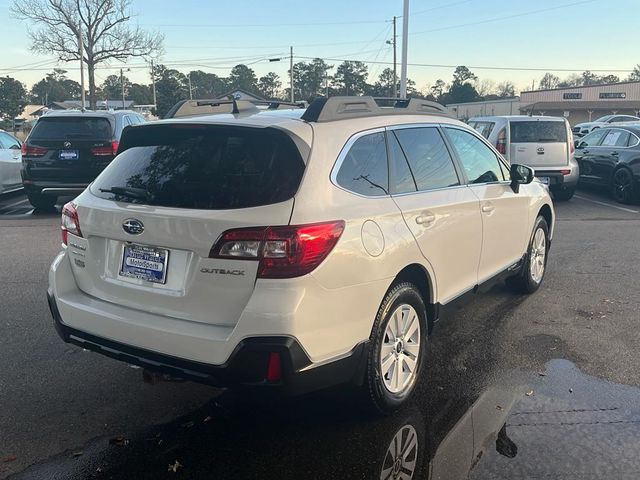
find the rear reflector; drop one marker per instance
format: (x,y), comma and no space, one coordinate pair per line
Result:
(274,367)
(565,172)
(70,222)
(283,252)
(29,151)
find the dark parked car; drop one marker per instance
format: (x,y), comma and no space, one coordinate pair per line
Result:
(67,150)
(610,157)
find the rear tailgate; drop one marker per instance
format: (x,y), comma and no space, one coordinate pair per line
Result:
(151,252)
(539,143)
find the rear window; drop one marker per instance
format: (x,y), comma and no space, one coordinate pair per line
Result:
(203,167)
(56,128)
(538,132)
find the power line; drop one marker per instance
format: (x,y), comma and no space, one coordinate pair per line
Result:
(243,25)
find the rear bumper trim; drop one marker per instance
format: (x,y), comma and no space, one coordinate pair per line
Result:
(245,368)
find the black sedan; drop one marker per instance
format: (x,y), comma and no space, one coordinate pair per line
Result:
(610,157)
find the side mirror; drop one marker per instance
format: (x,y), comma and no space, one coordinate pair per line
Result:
(576,143)
(521,175)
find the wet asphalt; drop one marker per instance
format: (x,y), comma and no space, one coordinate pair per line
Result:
(544,386)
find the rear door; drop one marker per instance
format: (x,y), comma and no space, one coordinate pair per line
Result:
(187,184)
(440,211)
(505,214)
(539,143)
(9,162)
(607,155)
(77,147)
(586,152)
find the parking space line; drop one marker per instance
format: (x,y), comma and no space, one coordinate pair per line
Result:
(24,200)
(606,204)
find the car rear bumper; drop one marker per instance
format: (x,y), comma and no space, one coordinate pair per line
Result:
(247,366)
(54,187)
(558,180)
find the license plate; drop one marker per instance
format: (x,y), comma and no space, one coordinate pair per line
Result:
(145,263)
(68,155)
(545,180)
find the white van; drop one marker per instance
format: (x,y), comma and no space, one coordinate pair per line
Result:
(544,143)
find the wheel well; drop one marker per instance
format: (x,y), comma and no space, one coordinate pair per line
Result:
(417,275)
(545,211)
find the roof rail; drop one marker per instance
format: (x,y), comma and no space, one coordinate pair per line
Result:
(339,108)
(190,108)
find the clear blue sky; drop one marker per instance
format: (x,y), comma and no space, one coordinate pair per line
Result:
(214,35)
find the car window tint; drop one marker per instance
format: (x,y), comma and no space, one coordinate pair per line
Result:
(615,138)
(401,176)
(633,141)
(364,169)
(5,141)
(204,167)
(478,160)
(593,138)
(56,128)
(428,157)
(483,128)
(538,131)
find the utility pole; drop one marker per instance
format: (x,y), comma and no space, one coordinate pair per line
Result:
(395,72)
(190,90)
(153,81)
(326,82)
(291,72)
(81,52)
(405,41)
(122,86)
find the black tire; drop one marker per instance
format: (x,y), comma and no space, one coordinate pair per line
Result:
(525,281)
(563,195)
(623,187)
(42,202)
(379,396)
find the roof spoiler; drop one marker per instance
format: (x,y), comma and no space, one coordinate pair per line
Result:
(188,108)
(339,108)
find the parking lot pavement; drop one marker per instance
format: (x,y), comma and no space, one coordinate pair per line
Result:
(489,361)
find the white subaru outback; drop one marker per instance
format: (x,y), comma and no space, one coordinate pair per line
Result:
(292,250)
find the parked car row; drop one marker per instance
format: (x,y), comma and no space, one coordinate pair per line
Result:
(10,162)
(582,129)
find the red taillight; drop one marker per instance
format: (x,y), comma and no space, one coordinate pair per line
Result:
(565,172)
(274,368)
(107,150)
(283,252)
(70,222)
(501,144)
(29,151)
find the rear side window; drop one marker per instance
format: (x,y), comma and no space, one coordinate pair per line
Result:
(203,167)
(364,168)
(538,132)
(428,157)
(616,138)
(61,128)
(483,128)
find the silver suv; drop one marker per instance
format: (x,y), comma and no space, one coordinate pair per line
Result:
(544,143)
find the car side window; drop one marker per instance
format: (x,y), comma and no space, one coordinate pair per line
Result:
(633,141)
(478,160)
(593,139)
(428,157)
(616,138)
(4,141)
(401,178)
(364,169)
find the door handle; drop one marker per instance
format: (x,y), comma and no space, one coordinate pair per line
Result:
(615,154)
(488,208)
(585,151)
(425,219)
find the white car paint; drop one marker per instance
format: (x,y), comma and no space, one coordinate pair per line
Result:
(10,163)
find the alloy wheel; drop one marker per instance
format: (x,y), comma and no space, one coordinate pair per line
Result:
(400,349)
(622,185)
(537,255)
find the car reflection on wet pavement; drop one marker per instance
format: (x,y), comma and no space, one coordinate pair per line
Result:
(557,423)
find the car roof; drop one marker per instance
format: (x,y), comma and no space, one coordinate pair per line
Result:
(633,127)
(519,118)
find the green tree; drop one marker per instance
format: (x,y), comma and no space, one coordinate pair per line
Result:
(309,79)
(549,81)
(55,87)
(140,94)
(459,93)
(608,79)
(573,80)
(462,75)
(171,87)
(111,88)
(243,77)
(634,76)
(207,85)
(437,89)
(589,78)
(13,98)
(104,25)
(350,78)
(269,85)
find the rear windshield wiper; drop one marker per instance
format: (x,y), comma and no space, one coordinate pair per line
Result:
(131,192)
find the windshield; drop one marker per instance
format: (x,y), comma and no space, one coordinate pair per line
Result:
(538,132)
(61,128)
(604,119)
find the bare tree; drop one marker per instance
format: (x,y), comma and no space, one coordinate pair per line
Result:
(506,89)
(103,25)
(485,87)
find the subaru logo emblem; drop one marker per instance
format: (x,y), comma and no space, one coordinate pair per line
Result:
(67,144)
(133,226)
